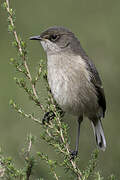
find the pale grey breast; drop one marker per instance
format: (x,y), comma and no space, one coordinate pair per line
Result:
(70,84)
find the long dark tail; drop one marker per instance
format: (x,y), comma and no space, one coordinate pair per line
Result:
(99,134)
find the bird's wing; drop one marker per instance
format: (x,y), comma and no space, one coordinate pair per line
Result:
(95,79)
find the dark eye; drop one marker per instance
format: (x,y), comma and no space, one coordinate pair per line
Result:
(54,37)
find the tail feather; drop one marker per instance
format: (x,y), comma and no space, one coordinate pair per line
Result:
(99,134)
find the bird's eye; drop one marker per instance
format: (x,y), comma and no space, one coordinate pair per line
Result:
(54,37)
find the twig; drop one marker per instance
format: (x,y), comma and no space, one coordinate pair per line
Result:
(22,54)
(19,110)
(76,170)
(55,175)
(29,145)
(28,159)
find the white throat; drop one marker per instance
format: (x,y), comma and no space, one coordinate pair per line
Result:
(50,47)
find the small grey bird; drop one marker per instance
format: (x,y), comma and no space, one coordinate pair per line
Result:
(74,80)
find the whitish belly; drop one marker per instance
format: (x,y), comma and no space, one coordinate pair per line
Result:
(72,96)
(72,89)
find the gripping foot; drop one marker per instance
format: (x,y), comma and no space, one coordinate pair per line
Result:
(73,154)
(48,117)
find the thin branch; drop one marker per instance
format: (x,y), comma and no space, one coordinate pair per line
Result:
(76,170)
(22,54)
(55,175)
(28,159)
(29,145)
(19,110)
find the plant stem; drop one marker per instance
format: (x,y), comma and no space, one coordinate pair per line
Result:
(22,54)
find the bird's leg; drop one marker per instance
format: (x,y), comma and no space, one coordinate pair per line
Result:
(48,116)
(75,152)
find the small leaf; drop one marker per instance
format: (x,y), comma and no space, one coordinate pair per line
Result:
(4,5)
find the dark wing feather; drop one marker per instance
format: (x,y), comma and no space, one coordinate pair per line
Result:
(95,79)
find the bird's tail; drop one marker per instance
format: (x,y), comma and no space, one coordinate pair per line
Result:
(99,134)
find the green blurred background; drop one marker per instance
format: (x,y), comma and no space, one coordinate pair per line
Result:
(97,24)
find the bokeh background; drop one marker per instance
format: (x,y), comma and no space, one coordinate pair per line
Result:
(97,24)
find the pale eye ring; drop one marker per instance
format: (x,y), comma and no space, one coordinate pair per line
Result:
(54,37)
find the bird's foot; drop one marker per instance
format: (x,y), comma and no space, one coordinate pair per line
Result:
(48,117)
(73,154)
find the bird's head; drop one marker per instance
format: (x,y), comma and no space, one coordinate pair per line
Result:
(56,40)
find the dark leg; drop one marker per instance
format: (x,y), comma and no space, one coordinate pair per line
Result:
(48,116)
(75,152)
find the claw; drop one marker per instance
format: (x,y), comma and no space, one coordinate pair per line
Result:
(48,117)
(73,154)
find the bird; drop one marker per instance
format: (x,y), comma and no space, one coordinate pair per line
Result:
(74,80)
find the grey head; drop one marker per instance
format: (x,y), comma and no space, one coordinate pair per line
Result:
(59,39)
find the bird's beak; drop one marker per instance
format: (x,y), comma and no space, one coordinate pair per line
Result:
(36,38)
